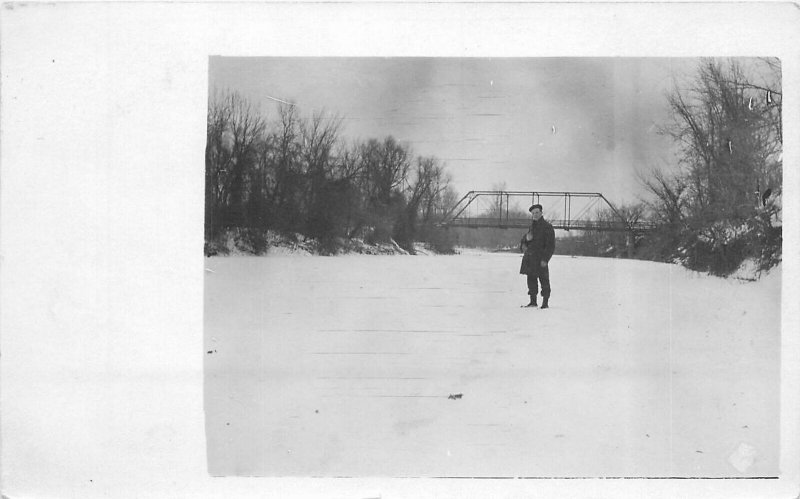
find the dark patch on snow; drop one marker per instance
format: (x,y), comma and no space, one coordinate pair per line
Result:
(455,396)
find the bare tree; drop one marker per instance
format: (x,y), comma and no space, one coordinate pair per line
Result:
(726,122)
(233,130)
(438,198)
(319,136)
(730,143)
(284,160)
(670,199)
(385,168)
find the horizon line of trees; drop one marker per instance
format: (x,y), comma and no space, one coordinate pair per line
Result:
(295,174)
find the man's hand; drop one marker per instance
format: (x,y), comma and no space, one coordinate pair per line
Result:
(543,264)
(528,236)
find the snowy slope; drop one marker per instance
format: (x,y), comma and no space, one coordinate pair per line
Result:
(332,366)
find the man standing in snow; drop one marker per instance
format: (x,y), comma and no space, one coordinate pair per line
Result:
(538,244)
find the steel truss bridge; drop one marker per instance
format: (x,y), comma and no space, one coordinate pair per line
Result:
(558,210)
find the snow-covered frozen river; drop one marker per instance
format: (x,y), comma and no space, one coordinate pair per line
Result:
(345,366)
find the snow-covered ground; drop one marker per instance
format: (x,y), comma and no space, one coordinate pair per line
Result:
(345,366)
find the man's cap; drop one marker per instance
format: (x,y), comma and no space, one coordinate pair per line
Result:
(535,206)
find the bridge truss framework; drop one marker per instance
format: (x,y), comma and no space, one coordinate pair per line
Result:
(459,215)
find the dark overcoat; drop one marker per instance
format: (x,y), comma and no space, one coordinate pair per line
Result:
(539,248)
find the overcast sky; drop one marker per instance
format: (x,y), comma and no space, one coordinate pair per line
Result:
(547,124)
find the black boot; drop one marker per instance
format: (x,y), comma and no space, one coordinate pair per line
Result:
(533,302)
(544,302)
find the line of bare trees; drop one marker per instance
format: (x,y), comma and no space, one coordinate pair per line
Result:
(297,175)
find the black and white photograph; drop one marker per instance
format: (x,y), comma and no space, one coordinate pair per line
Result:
(493,267)
(359,250)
